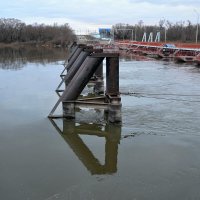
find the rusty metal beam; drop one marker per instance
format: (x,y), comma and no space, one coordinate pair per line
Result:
(110,55)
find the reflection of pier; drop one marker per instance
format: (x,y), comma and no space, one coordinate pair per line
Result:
(112,133)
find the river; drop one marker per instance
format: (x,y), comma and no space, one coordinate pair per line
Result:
(152,155)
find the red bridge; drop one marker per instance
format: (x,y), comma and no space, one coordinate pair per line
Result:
(178,51)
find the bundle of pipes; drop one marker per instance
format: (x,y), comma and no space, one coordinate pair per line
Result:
(85,63)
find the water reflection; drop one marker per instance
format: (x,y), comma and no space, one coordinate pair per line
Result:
(112,133)
(17,58)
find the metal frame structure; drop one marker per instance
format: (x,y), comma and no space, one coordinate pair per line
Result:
(84,64)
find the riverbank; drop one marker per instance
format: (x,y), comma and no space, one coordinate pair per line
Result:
(34,44)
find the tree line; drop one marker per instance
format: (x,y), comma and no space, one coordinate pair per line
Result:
(183,31)
(14,30)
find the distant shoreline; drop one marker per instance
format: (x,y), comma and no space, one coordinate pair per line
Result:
(35,44)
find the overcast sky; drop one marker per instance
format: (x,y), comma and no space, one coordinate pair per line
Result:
(89,14)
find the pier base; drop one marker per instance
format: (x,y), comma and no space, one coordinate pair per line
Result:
(114,110)
(68,110)
(84,64)
(99,86)
(111,105)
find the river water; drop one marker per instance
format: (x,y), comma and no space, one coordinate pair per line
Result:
(152,155)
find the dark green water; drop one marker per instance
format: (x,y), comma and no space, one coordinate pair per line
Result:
(153,155)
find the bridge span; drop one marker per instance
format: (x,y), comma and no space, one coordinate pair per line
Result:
(179,52)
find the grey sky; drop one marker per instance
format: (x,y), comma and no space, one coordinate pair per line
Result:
(92,13)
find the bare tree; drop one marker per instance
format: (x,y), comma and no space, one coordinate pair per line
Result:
(14,30)
(180,31)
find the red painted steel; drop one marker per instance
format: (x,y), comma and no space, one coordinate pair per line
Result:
(179,51)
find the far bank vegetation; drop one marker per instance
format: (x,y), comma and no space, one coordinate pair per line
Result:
(183,31)
(16,31)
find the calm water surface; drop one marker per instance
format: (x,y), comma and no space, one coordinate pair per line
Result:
(153,155)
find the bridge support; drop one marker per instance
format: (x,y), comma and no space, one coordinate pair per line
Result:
(112,89)
(68,110)
(99,83)
(86,66)
(72,71)
(72,58)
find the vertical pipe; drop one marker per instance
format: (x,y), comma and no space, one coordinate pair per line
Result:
(99,83)
(99,71)
(112,75)
(112,89)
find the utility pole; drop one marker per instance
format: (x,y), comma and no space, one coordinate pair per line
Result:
(135,33)
(165,29)
(165,34)
(197,30)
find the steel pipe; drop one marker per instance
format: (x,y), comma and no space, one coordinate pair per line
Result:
(81,78)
